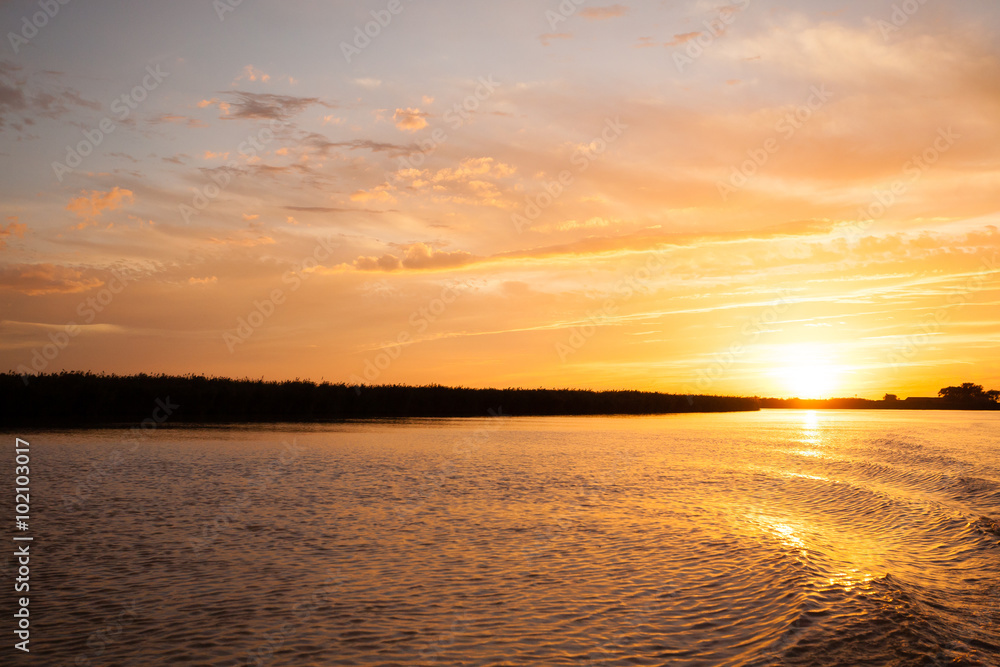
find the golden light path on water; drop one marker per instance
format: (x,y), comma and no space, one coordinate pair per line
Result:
(771,538)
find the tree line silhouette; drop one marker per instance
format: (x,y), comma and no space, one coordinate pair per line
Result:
(967,396)
(88,399)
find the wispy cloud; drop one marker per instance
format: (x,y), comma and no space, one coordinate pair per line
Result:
(604,13)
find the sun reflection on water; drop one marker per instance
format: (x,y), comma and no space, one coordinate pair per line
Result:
(811,437)
(851,579)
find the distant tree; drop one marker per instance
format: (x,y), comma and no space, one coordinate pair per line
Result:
(993,395)
(965,393)
(890,397)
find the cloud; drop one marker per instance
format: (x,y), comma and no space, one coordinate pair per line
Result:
(417,257)
(317,209)
(323,145)
(13,228)
(40,279)
(410,120)
(92,204)
(381,193)
(549,37)
(251,73)
(604,13)
(473,181)
(244,105)
(178,119)
(25,97)
(572,225)
(475,168)
(210,280)
(244,242)
(369,83)
(682,38)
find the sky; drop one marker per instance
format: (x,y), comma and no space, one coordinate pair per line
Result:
(756,198)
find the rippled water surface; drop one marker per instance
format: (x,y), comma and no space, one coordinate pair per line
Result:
(779,537)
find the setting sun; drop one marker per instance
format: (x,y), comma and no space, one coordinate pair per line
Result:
(808,371)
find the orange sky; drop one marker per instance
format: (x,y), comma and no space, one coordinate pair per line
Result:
(754,198)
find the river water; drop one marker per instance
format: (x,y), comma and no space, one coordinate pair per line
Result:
(770,538)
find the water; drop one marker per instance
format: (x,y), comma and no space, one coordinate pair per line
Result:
(779,537)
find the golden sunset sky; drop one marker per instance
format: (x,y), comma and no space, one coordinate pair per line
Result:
(765,198)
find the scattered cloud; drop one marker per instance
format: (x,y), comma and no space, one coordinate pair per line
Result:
(417,256)
(210,280)
(573,225)
(682,38)
(382,194)
(41,279)
(251,73)
(369,83)
(603,13)
(549,37)
(410,120)
(93,203)
(178,119)
(243,105)
(12,228)
(243,242)
(26,97)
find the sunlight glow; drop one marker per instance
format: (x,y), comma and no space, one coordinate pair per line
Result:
(808,371)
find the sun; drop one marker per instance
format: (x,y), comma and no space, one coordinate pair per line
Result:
(808,371)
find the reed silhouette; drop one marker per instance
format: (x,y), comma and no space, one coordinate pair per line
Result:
(88,399)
